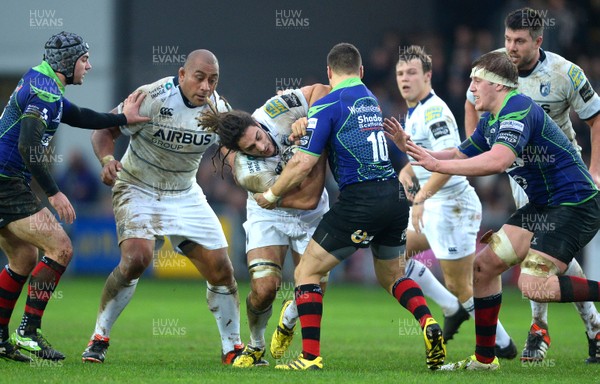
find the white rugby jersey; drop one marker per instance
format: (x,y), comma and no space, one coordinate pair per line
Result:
(276,116)
(432,125)
(556,85)
(164,153)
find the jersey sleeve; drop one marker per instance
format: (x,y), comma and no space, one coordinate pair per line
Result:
(320,126)
(514,134)
(145,110)
(291,103)
(441,128)
(582,97)
(42,107)
(476,144)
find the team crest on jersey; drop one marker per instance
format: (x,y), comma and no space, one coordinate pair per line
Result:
(545,88)
(361,237)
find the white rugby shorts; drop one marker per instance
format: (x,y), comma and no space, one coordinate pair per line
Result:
(146,214)
(451,224)
(280,227)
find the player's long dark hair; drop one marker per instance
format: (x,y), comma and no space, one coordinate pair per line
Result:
(230,126)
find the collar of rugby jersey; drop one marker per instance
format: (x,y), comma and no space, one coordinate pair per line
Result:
(350,82)
(46,69)
(510,94)
(529,72)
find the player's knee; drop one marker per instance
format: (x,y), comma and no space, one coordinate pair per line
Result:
(59,248)
(265,291)
(500,244)
(134,263)
(222,274)
(536,270)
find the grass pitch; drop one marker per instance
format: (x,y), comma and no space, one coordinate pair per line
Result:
(167,335)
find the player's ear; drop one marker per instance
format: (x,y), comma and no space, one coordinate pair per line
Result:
(428,75)
(329,72)
(361,72)
(181,73)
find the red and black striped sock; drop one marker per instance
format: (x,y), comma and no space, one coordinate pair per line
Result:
(575,289)
(486,320)
(43,282)
(410,296)
(309,300)
(11,285)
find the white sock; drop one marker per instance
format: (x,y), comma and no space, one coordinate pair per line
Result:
(469,306)
(502,337)
(587,310)
(290,316)
(257,322)
(224,303)
(112,306)
(539,312)
(431,287)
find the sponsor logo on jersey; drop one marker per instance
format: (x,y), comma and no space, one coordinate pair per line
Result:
(361,237)
(369,122)
(433,113)
(305,140)
(545,88)
(160,90)
(291,100)
(364,109)
(34,110)
(512,125)
(452,250)
(439,129)
(576,76)
(312,122)
(275,108)
(586,92)
(164,111)
(509,137)
(172,139)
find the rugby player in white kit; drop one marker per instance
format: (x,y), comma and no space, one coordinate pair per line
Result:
(155,194)
(446,212)
(262,145)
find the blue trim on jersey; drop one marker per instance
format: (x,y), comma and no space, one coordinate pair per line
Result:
(422,101)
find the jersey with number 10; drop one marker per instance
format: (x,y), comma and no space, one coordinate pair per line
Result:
(348,123)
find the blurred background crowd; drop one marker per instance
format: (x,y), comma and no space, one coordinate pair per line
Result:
(457,32)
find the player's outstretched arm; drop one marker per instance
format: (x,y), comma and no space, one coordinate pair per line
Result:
(308,194)
(494,161)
